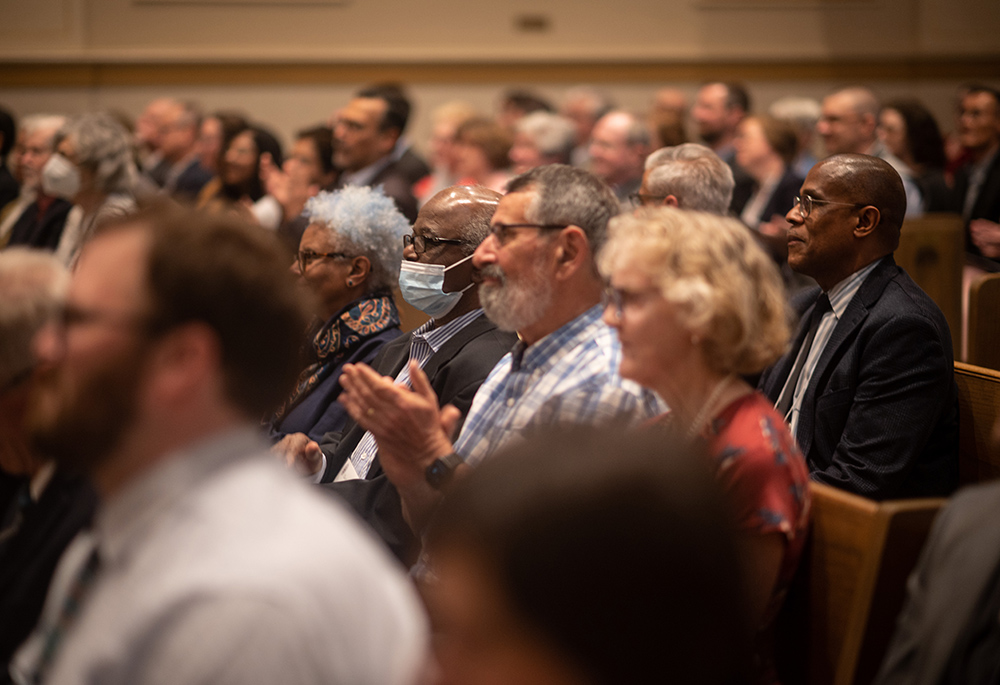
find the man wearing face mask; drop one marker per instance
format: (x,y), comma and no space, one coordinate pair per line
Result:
(457,349)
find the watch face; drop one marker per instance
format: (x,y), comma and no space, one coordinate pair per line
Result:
(437,473)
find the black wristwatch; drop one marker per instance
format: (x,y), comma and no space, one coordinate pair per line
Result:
(441,470)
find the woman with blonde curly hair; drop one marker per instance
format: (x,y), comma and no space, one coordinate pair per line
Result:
(697,305)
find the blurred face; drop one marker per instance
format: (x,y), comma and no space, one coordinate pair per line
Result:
(91,367)
(478,638)
(712,117)
(654,342)
(612,158)
(842,128)
(325,277)
(304,164)
(357,139)
(515,287)
(241,159)
(210,143)
(524,154)
(442,146)
(471,160)
(35,153)
(822,245)
(177,135)
(892,132)
(67,148)
(978,121)
(579,111)
(751,144)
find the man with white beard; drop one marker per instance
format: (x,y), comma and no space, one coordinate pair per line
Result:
(537,277)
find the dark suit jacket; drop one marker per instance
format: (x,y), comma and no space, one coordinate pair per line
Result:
(397,185)
(455,372)
(412,166)
(29,559)
(43,232)
(880,415)
(958,562)
(986,206)
(190,181)
(783,197)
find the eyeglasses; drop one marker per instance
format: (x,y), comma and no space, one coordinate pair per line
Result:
(805,204)
(618,299)
(644,200)
(307,257)
(421,242)
(502,231)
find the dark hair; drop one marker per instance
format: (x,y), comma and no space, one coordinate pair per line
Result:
(490,137)
(232,123)
(780,136)
(923,137)
(265,141)
(322,139)
(9,132)
(567,195)
(233,277)
(975,88)
(397,112)
(616,548)
(737,96)
(526,102)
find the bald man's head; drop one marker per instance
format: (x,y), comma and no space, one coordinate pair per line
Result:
(464,210)
(871,181)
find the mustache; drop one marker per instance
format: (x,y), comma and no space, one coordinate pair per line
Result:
(491,271)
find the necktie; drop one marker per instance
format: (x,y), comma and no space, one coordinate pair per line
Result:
(784,402)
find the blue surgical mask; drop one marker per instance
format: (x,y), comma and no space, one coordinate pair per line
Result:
(422,285)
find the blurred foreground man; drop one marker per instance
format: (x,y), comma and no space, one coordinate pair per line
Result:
(208,563)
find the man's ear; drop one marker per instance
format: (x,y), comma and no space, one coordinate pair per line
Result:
(868,221)
(573,252)
(671,201)
(182,359)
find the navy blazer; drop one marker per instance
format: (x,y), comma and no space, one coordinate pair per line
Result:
(455,372)
(880,415)
(986,206)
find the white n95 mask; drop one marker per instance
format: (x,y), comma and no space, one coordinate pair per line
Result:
(60,178)
(422,285)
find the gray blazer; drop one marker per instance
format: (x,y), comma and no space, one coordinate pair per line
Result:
(960,558)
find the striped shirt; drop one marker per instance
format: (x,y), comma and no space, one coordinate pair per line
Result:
(568,377)
(424,343)
(840,296)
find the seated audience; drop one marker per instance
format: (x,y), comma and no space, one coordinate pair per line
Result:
(689,176)
(802,114)
(208,563)
(36,219)
(977,182)
(482,154)
(406,161)
(180,173)
(456,350)
(718,109)
(541,138)
(239,173)
(765,148)
(618,146)
(584,105)
(908,130)
(697,304)
(537,278)
(667,117)
(93,168)
(587,558)
(349,259)
(365,135)
(46,506)
(517,103)
(848,125)
(445,122)
(868,384)
(9,187)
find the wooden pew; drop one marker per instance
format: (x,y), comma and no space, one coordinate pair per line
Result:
(978,411)
(842,609)
(984,322)
(932,251)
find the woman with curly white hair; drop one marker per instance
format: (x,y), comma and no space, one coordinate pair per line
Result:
(697,305)
(93,168)
(348,258)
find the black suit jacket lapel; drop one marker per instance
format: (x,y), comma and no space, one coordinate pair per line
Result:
(843,333)
(775,380)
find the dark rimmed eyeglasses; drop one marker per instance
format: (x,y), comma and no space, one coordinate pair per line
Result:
(502,231)
(307,257)
(420,243)
(805,204)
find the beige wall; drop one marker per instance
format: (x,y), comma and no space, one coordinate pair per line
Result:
(290,65)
